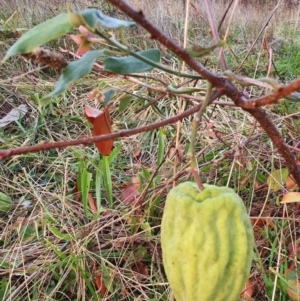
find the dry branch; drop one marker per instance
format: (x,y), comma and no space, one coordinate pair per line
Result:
(222,85)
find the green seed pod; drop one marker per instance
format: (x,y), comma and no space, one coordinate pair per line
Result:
(207,243)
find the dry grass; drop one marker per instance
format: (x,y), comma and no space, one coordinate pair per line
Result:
(52,250)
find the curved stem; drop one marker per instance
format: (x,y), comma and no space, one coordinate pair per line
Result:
(195,125)
(6,153)
(144,59)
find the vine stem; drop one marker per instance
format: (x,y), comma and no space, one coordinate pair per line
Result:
(194,130)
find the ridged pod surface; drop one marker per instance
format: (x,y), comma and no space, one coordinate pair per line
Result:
(207,243)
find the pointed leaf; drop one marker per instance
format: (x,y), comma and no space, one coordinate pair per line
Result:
(290,183)
(198,51)
(91,113)
(72,72)
(186,90)
(93,17)
(5,202)
(101,125)
(248,290)
(101,288)
(130,64)
(291,197)
(41,34)
(58,234)
(277,178)
(108,96)
(124,103)
(14,115)
(84,182)
(130,193)
(293,290)
(161,146)
(92,203)
(107,181)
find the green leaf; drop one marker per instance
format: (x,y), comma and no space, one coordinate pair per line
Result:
(84,182)
(124,103)
(55,249)
(146,173)
(107,180)
(72,72)
(108,96)
(186,90)
(5,202)
(131,64)
(66,237)
(98,185)
(161,146)
(198,51)
(27,233)
(114,154)
(94,17)
(41,34)
(5,198)
(147,229)
(277,178)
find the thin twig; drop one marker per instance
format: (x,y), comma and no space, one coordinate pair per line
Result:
(86,141)
(223,85)
(259,34)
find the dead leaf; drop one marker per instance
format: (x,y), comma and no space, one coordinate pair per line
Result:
(92,203)
(130,193)
(247,291)
(98,281)
(14,115)
(97,96)
(291,197)
(293,289)
(257,222)
(140,268)
(100,285)
(101,125)
(290,269)
(179,152)
(256,185)
(261,222)
(290,183)
(137,153)
(84,40)
(294,249)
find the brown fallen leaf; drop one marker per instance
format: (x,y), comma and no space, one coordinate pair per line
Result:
(14,115)
(290,183)
(291,197)
(97,96)
(92,203)
(130,193)
(261,222)
(293,289)
(140,268)
(294,249)
(247,291)
(98,281)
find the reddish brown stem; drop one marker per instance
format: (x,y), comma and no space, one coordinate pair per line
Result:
(86,141)
(223,85)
